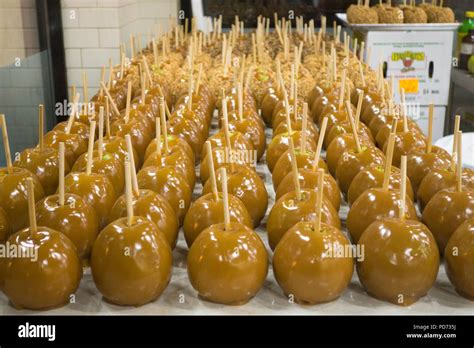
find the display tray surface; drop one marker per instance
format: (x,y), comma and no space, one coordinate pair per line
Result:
(180,298)
(399,27)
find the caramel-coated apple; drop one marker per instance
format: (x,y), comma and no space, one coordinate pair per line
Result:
(44,164)
(75,145)
(446,211)
(459,258)
(401,260)
(312,131)
(307,265)
(140,135)
(95,189)
(108,165)
(245,184)
(338,146)
(131,264)
(253,131)
(324,102)
(4,226)
(308,179)
(269,101)
(352,162)
(420,163)
(187,130)
(170,184)
(174,142)
(13,195)
(207,211)
(372,205)
(78,128)
(372,177)
(116,146)
(345,128)
(404,143)
(227,265)
(289,210)
(75,218)
(384,132)
(237,142)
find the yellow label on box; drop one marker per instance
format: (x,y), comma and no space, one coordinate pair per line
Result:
(409,85)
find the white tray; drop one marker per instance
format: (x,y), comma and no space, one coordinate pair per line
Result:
(398,27)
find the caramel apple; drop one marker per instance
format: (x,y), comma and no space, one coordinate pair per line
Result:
(208,210)
(459,258)
(77,127)
(188,131)
(401,259)
(449,208)
(96,189)
(48,272)
(227,263)
(269,101)
(70,215)
(304,265)
(131,261)
(339,145)
(4,226)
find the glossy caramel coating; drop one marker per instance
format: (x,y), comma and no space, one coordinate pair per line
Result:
(4,226)
(95,189)
(188,131)
(372,205)
(108,165)
(131,265)
(150,205)
(382,135)
(312,130)
(74,145)
(139,135)
(404,143)
(13,196)
(372,177)
(46,280)
(44,164)
(76,219)
(170,184)
(207,211)
(345,128)
(401,260)
(174,142)
(459,259)
(420,163)
(324,102)
(288,211)
(117,146)
(446,211)
(352,162)
(438,180)
(338,146)
(227,266)
(237,140)
(280,144)
(269,101)
(245,184)
(253,131)
(304,267)
(77,127)
(308,179)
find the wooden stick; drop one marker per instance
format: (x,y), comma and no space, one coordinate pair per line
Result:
(129,100)
(225,196)
(61,174)
(72,117)
(404,113)
(342,90)
(430,128)
(353,127)
(158,139)
(107,117)
(240,101)
(319,146)
(319,200)
(41,127)
(294,169)
(359,109)
(6,144)
(403,187)
(190,90)
(90,148)
(128,141)
(111,100)
(132,46)
(304,127)
(128,192)
(287,111)
(459,167)
(225,125)
(163,124)
(362,76)
(30,188)
(101,132)
(212,172)
(102,79)
(388,160)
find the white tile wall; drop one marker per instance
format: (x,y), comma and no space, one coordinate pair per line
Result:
(98,18)
(73,58)
(109,38)
(70,17)
(81,38)
(96,57)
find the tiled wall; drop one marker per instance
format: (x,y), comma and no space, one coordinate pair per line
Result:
(94,29)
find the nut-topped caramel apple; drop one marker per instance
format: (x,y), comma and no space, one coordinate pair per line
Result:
(401,259)
(69,214)
(308,263)
(41,161)
(208,210)
(131,261)
(74,143)
(377,202)
(227,263)
(449,208)
(352,162)
(47,269)
(150,205)
(96,189)
(459,257)
(421,161)
(296,206)
(13,190)
(103,162)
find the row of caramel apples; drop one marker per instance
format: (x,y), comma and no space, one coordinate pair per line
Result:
(155,114)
